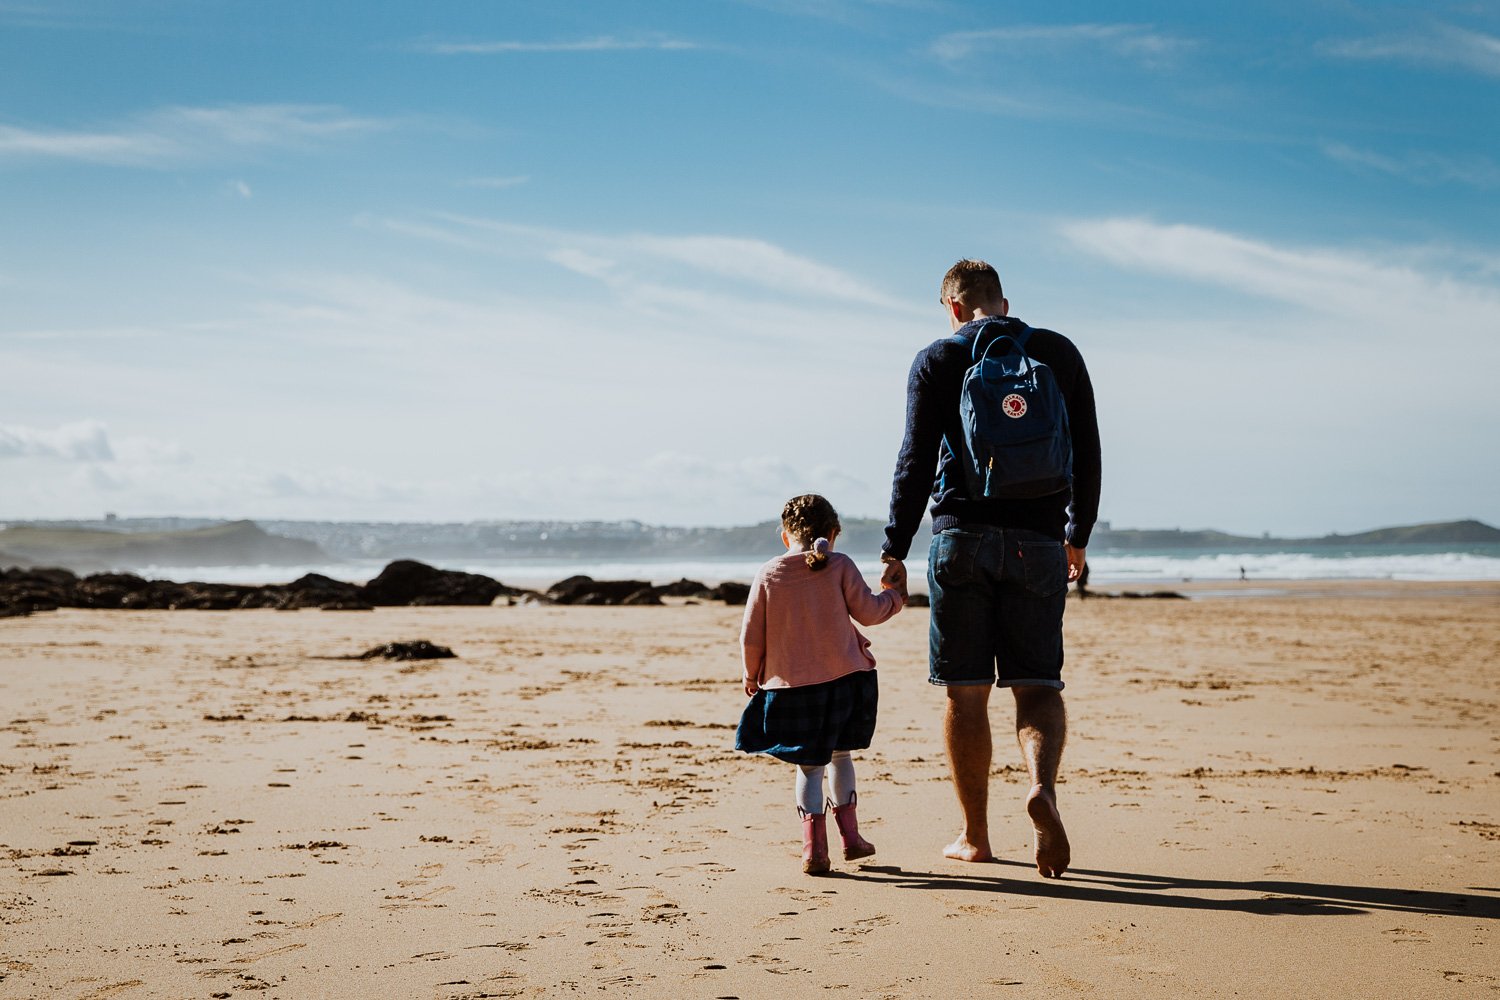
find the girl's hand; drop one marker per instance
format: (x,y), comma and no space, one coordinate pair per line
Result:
(893,576)
(750,688)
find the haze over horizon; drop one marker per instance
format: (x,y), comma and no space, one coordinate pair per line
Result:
(607,261)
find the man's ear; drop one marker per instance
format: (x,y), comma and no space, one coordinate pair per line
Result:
(1004,306)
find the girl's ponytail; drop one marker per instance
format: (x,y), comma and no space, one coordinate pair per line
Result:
(817,556)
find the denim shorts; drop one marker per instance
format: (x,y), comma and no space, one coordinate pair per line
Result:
(997,607)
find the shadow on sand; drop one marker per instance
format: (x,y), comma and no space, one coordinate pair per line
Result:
(1272,897)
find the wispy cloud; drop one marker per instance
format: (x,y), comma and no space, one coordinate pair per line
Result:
(1420,167)
(1136,41)
(598,43)
(378,313)
(1442,45)
(647,266)
(177,134)
(1397,292)
(84,441)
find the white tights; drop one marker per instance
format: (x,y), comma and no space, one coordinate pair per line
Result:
(840,783)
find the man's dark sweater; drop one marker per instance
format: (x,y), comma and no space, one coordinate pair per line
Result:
(932,391)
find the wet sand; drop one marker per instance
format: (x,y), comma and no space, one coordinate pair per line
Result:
(1267,796)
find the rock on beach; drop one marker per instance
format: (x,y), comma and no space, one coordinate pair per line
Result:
(403,583)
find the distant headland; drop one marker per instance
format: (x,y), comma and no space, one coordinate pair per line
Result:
(87,546)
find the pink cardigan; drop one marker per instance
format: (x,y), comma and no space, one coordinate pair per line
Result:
(797,629)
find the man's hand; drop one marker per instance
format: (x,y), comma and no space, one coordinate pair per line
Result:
(1075,561)
(893,577)
(750,688)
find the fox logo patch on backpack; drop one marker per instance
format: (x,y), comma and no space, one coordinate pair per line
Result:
(1016,442)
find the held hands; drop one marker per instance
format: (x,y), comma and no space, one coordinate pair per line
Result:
(893,577)
(1075,561)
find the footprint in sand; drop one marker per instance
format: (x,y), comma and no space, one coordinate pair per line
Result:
(860,928)
(495,856)
(424,873)
(701,868)
(770,963)
(424,900)
(689,848)
(611,925)
(505,945)
(662,913)
(257,956)
(114,990)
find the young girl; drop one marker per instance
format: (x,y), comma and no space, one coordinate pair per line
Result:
(809,673)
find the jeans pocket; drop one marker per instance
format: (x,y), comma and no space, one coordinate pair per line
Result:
(955,556)
(1045,567)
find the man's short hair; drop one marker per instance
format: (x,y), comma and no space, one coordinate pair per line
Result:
(971,282)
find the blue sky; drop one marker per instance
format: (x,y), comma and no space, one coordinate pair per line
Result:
(671,261)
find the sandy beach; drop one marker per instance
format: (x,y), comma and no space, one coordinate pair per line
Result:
(1290,795)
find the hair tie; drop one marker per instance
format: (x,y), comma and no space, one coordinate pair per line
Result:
(821,546)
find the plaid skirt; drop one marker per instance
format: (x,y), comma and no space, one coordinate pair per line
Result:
(805,725)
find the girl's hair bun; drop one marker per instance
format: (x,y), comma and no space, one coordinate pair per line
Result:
(812,521)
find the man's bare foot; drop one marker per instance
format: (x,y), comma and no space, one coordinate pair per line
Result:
(1052,851)
(964,849)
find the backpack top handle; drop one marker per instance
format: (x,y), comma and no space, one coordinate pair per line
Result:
(1019,339)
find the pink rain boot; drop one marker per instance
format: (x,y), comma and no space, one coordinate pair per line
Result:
(855,846)
(814,842)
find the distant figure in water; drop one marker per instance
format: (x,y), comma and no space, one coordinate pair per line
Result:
(1242,573)
(1083,581)
(809,672)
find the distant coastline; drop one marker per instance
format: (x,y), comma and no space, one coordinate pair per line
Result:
(162,544)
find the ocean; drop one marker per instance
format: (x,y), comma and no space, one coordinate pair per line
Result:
(1481,562)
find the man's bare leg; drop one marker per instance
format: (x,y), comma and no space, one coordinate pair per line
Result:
(1041,730)
(966,726)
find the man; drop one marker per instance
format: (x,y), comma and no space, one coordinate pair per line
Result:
(998,569)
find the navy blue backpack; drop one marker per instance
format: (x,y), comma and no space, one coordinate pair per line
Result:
(1016,443)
